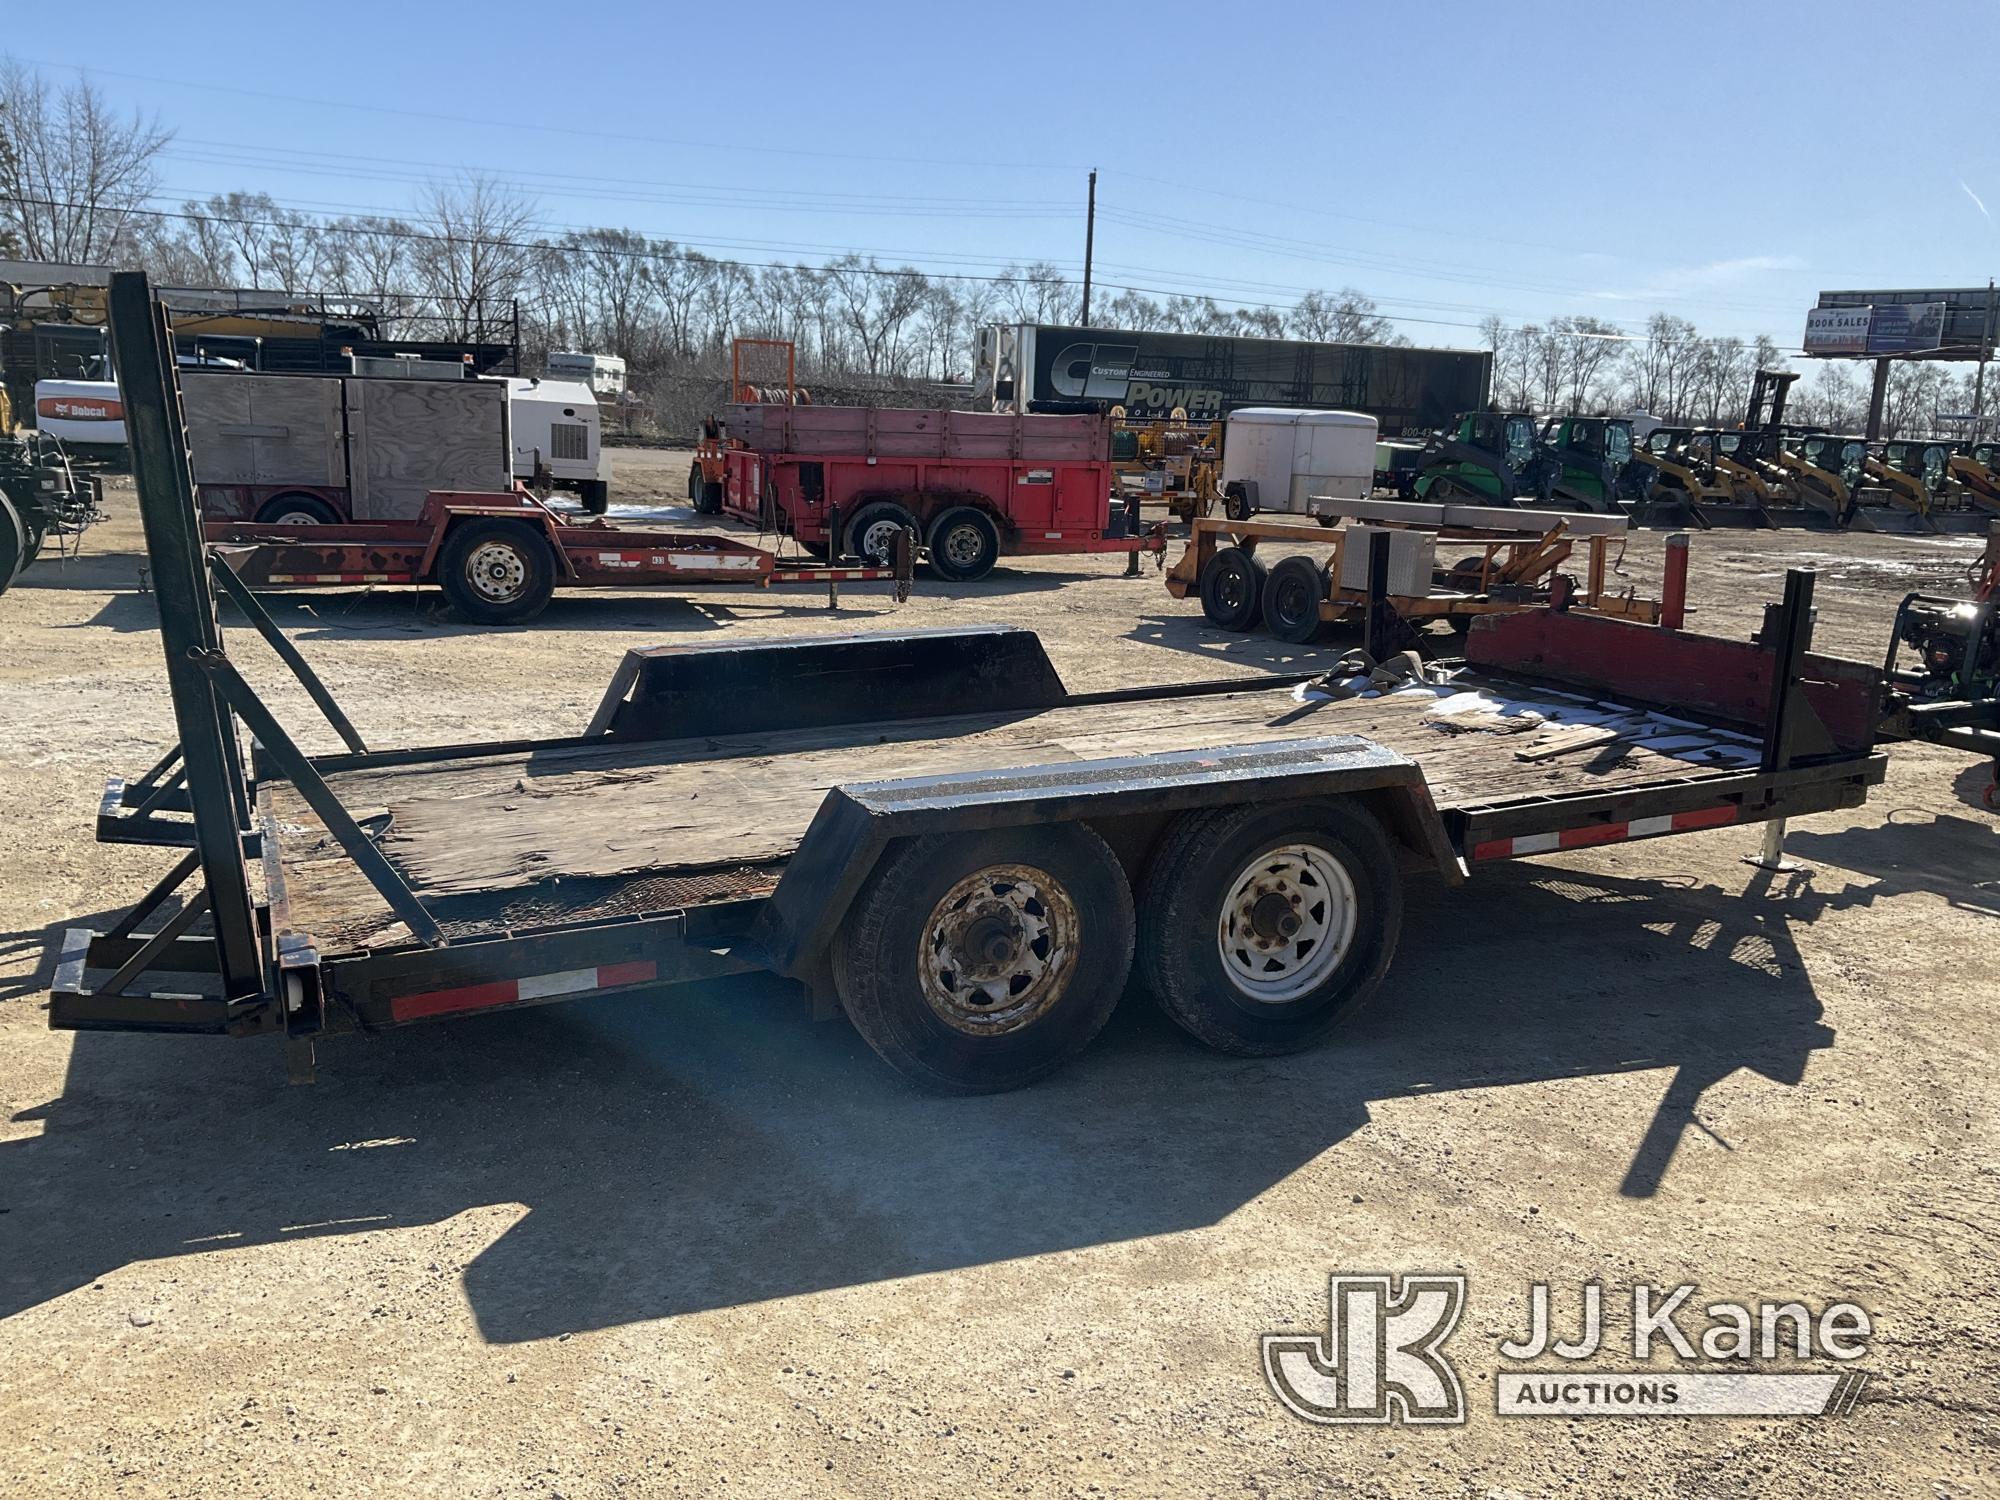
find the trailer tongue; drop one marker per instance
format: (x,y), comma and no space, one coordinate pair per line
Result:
(924,827)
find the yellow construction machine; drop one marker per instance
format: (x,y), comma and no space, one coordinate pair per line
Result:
(1174,462)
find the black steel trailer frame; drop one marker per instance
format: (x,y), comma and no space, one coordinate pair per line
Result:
(254,971)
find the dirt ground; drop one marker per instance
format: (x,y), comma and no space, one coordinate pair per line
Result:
(666,1245)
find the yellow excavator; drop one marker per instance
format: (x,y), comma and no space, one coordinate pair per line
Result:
(1901,472)
(1975,468)
(1679,472)
(1827,468)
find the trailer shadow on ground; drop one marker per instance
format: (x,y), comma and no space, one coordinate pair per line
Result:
(1952,857)
(714,1147)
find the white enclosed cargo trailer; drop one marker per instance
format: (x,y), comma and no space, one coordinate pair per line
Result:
(1296,462)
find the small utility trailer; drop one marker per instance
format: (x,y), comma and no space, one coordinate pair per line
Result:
(500,556)
(924,828)
(1501,561)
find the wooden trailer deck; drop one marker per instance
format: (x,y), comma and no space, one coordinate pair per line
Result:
(506,842)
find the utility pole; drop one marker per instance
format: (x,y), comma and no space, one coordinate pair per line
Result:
(1089,243)
(1979,380)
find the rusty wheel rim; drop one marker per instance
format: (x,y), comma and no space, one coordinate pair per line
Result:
(998,950)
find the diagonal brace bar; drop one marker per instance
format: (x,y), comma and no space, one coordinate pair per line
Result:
(254,611)
(372,863)
(149,903)
(155,945)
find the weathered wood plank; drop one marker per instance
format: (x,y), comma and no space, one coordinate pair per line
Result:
(511,821)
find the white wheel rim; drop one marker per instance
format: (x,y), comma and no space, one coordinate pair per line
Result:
(1287,923)
(296,518)
(998,950)
(496,571)
(963,545)
(879,538)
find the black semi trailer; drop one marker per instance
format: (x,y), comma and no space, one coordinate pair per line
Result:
(1150,375)
(925,828)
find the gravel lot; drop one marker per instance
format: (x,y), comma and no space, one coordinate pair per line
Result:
(633,1247)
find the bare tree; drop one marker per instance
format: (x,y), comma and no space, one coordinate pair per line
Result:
(474,254)
(1344,317)
(73,175)
(1588,345)
(1040,293)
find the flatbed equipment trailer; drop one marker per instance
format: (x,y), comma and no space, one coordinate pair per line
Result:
(500,557)
(925,828)
(1502,566)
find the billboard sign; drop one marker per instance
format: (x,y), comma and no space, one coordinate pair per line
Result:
(1837,330)
(1906,328)
(1945,323)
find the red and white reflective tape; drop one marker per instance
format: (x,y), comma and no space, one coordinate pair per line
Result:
(514,991)
(1605,833)
(340,578)
(833,575)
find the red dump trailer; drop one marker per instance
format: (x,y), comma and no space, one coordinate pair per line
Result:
(975,486)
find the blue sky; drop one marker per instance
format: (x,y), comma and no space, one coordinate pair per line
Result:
(1722,162)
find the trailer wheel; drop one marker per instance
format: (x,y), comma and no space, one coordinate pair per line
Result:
(1264,925)
(871,535)
(496,572)
(976,962)
(595,494)
(1232,589)
(297,510)
(1292,596)
(1236,502)
(964,544)
(13,544)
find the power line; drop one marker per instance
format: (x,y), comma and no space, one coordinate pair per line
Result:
(293,102)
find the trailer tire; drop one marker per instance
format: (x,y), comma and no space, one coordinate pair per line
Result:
(595,494)
(297,510)
(1293,593)
(1213,945)
(1236,502)
(871,535)
(1041,912)
(496,572)
(709,502)
(964,544)
(1232,590)
(13,544)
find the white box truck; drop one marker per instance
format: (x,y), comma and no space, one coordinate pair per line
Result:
(1277,458)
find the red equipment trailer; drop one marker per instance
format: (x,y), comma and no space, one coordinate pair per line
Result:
(500,556)
(975,486)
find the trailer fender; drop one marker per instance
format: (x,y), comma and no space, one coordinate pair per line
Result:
(445,512)
(856,824)
(672,692)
